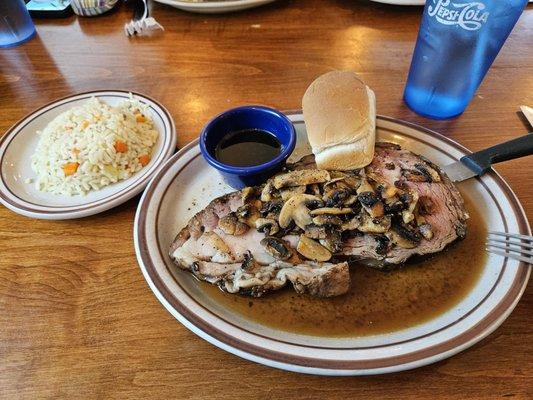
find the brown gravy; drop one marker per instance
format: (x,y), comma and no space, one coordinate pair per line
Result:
(378,302)
(247,148)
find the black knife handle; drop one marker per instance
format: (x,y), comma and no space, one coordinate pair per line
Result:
(481,161)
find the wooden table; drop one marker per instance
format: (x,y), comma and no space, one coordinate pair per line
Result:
(77,319)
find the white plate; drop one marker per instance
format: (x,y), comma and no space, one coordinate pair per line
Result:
(18,144)
(186,184)
(213,7)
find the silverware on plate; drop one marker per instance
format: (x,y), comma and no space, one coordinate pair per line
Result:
(480,162)
(512,245)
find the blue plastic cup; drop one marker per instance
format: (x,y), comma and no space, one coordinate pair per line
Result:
(16,26)
(457,43)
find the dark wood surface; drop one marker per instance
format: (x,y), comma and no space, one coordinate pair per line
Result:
(77,319)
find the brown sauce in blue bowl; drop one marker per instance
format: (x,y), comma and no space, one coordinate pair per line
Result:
(248,147)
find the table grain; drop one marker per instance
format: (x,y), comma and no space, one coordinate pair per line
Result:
(77,319)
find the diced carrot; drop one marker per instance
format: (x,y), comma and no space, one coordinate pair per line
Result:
(121,147)
(144,160)
(84,124)
(70,168)
(140,118)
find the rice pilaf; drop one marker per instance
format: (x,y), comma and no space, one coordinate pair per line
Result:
(93,145)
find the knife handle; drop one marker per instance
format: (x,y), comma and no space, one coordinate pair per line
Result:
(481,161)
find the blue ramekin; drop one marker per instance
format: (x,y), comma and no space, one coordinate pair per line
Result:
(248,117)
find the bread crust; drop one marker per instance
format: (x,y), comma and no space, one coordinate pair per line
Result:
(340,115)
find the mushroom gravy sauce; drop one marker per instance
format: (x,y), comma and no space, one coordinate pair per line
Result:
(377,302)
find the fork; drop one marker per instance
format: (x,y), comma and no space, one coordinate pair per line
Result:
(142,23)
(512,245)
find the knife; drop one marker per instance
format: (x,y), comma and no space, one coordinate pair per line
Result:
(480,162)
(528,113)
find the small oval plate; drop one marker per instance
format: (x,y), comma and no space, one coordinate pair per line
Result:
(18,144)
(215,7)
(186,184)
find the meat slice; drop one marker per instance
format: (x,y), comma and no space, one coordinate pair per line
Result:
(252,241)
(439,202)
(240,264)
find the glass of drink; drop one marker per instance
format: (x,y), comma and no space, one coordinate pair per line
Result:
(16,25)
(457,43)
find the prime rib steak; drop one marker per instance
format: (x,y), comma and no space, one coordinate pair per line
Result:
(304,226)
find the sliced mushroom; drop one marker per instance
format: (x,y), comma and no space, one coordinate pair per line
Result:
(247,194)
(267,225)
(365,187)
(407,216)
(333,181)
(426,231)
(301,177)
(426,170)
(267,192)
(332,242)
(331,210)
(248,213)
(326,219)
(410,200)
(287,193)
(403,236)
(400,241)
(248,262)
(271,209)
(370,225)
(388,192)
(231,225)
(295,209)
(414,175)
(350,200)
(394,208)
(337,197)
(352,180)
(315,232)
(276,247)
(350,225)
(312,250)
(372,204)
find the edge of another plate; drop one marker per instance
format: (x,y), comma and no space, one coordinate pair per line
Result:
(305,362)
(214,7)
(43,211)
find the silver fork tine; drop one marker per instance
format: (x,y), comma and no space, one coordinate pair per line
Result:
(522,246)
(508,242)
(510,249)
(528,260)
(512,235)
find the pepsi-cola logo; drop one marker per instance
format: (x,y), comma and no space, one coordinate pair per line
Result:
(469,16)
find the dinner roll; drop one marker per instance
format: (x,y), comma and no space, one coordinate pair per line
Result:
(340,116)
